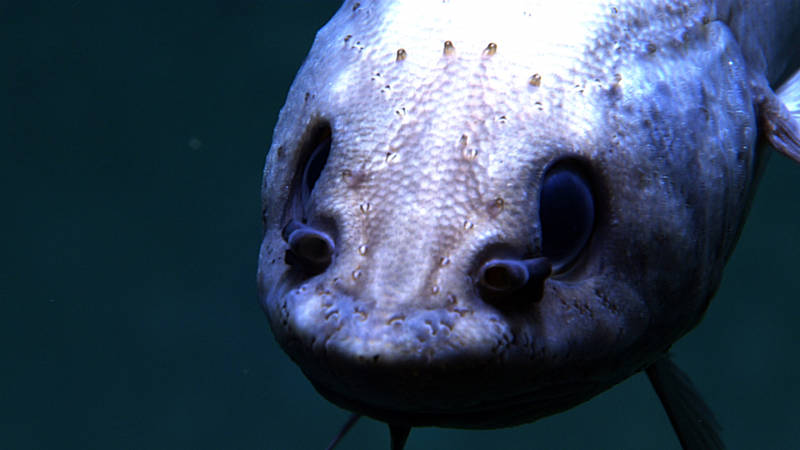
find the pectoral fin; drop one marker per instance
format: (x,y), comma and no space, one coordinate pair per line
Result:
(781,118)
(691,418)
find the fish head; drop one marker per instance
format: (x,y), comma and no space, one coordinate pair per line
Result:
(486,214)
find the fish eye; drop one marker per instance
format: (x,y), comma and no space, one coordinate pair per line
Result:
(566,212)
(310,245)
(316,163)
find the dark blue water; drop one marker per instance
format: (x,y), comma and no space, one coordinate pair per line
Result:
(132,141)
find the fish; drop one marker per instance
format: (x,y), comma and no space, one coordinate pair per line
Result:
(479,214)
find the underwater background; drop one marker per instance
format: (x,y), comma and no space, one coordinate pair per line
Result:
(132,139)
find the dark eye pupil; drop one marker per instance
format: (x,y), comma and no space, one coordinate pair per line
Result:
(566,211)
(315,165)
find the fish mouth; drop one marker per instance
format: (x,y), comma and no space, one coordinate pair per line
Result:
(462,365)
(451,398)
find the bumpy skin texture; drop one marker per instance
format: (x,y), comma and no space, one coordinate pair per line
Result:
(437,157)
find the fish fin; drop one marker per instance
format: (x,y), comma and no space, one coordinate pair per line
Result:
(691,418)
(789,94)
(399,435)
(345,428)
(781,118)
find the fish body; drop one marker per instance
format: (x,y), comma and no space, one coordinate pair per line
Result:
(480,214)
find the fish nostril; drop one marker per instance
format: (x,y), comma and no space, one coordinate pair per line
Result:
(310,250)
(506,282)
(503,275)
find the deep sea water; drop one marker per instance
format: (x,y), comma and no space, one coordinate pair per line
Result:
(133,138)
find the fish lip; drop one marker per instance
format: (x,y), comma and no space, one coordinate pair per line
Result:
(338,325)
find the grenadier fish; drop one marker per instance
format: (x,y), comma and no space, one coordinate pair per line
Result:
(478,214)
